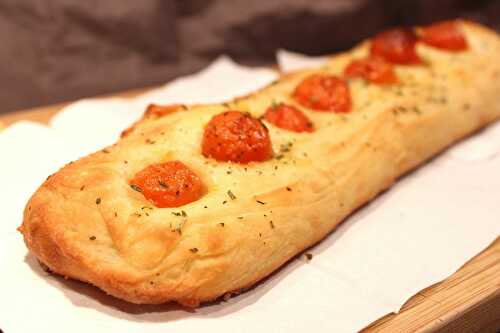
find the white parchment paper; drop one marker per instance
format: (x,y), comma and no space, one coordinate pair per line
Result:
(418,233)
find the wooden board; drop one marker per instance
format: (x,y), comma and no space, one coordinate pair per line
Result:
(468,301)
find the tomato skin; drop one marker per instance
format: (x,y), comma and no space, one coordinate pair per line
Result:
(326,93)
(169,184)
(234,136)
(444,35)
(289,118)
(396,46)
(372,69)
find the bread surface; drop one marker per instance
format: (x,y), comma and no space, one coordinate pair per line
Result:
(85,221)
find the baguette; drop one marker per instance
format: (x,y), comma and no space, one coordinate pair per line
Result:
(88,223)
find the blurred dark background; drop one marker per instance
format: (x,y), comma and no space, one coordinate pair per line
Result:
(58,50)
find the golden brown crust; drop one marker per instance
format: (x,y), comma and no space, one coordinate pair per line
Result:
(85,222)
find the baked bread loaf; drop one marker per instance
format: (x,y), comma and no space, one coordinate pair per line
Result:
(195,202)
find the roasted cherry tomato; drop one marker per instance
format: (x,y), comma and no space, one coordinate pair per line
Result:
(373,69)
(396,46)
(237,137)
(444,35)
(288,117)
(154,110)
(170,184)
(324,93)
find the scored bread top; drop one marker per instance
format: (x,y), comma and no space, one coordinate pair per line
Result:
(87,222)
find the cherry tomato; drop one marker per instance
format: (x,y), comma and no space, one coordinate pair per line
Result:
(396,46)
(288,117)
(324,93)
(155,110)
(444,35)
(170,184)
(373,69)
(237,137)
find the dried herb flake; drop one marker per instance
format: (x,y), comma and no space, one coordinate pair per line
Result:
(136,188)
(231,195)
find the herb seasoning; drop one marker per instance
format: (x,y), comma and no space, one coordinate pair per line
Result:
(284,148)
(136,188)
(231,195)
(181,213)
